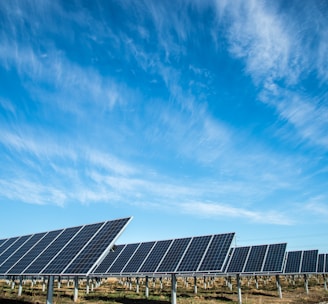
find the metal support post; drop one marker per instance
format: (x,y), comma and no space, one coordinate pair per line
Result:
(173,289)
(239,289)
(20,287)
(137,285)
(147,288)
(59,282)
(278,286)
(76,288)
(88,286)
(306,284)
(50,289)
(195,285)
(161,282)
(256,282)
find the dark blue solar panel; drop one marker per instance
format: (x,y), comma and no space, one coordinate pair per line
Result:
(1,242)
(138,258)
(156,255)
(238,260)
(309,261)
(108,260)
(293,263)
(123,258)
(275,258)
(45,257)
(20,252)
(67,253)
(97,246)
(255,259)
(326,263)
(194,254)
(174,255)
(227,262)
(15,246)
(321,263)
(30,256)
(217,252)
(7,244)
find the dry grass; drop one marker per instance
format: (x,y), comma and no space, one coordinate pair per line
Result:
(113,291)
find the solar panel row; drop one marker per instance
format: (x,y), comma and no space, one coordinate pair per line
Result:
(68,251)
(301,261)
(184,255)
(256,259)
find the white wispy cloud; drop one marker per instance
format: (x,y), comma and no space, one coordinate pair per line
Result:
(214,210)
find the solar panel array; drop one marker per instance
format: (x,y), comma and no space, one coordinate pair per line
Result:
(256,259)
(301,261)
(184,255)
(68,251)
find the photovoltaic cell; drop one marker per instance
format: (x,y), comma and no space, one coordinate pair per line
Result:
(156,255)
(7,245)
(30,256)
(123,258)
(72,249)
(275,258)
(45,257)
(321,263)
(174,255)
(255,259)
(309,261)
(138,258)
(98,244)
(238,260)
(1,242)
(217,252)
(293,262)
(194,254)
(15,246)
(108,260)
(20,252)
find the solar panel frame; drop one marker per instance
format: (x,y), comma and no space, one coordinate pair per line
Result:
(274,260)
(321,263)
(255,259)
(19,253)
(326,263)
(293,262)
(30,256)
(238,259)
(108,260)
(309,261)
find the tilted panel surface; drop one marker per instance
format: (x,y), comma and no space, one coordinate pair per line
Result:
(326,263)
(72,249)
(255,259)
(83,263)
(275,258)
(174,255)
(20,252)
(194,254)
(293,262)
(156,255)
(138,258)
(123,258)
(45,257)
(238,260)
(227,262)
(309,261)
(1,242)
(321,263)
(29,257)
(108,260)
(15,246)
(217,252)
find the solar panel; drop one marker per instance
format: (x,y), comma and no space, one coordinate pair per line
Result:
(173,255)
(217,252)
(275,258)
(99,243)
(238,259)
(293,262)
(7,244)
(123,258)
(14,246)
(138,257)
(108,260)
(326,263)
(309,261)
(1,242)
(194,254)
(255,259)
(321,263)
(30,256)
(155,257)
(20,252)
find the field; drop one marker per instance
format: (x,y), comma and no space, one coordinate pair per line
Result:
(114,291)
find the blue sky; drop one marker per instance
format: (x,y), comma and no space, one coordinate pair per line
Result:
(194,117)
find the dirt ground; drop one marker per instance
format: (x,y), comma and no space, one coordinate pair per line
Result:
(114,291)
